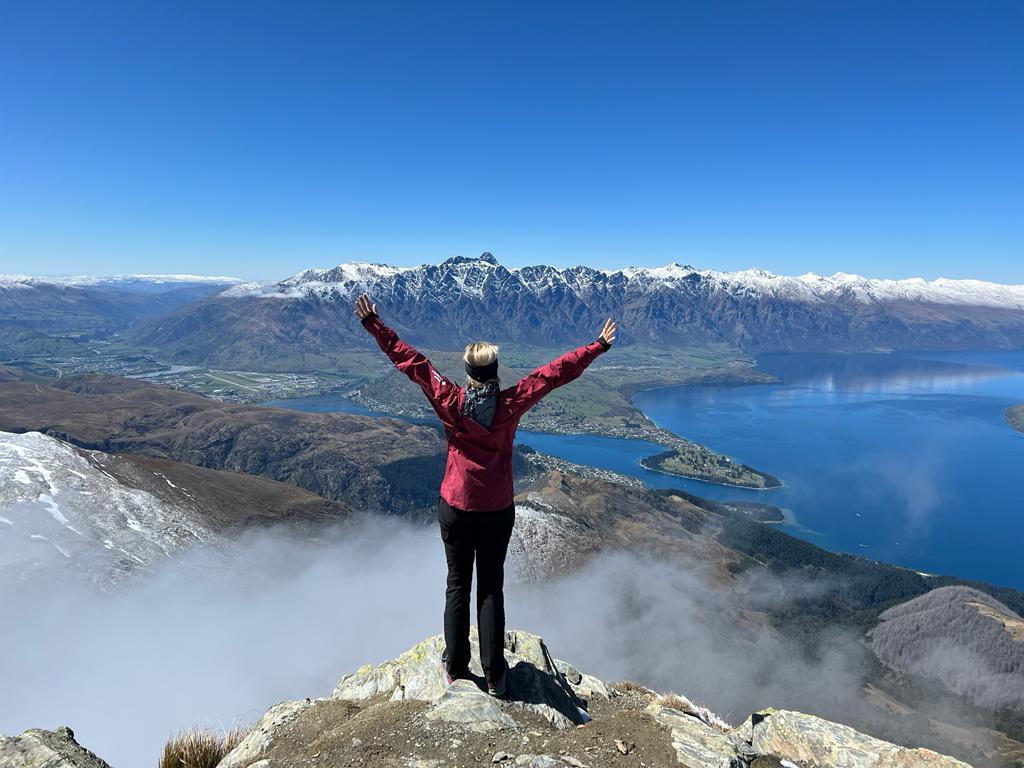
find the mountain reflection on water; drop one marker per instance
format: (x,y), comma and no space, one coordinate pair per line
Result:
(878,373)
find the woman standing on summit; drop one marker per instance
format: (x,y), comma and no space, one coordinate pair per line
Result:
(475,507)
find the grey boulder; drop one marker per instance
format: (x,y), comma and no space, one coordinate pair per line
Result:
(36,748)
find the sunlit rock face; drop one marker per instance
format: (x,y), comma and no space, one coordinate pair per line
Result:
(461,717)
(36,748)
(814,741)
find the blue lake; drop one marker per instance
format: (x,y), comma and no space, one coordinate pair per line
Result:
(900,458)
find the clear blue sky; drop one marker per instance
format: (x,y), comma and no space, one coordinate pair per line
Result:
(259,138)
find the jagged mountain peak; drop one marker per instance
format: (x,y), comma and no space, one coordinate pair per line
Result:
(485,258)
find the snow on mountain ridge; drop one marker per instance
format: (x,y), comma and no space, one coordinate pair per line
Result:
(350,275)
(469,276)
(79,281)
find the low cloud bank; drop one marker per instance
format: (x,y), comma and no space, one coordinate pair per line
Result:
(627,617)
(213,642)
(203,641)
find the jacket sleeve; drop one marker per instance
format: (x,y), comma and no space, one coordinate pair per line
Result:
(442,392)
(532,387)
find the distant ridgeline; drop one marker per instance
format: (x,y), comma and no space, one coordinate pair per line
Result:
(306,320)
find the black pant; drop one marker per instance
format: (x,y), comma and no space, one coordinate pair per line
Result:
(485,536)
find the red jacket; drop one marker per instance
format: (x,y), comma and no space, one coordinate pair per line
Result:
(478,472)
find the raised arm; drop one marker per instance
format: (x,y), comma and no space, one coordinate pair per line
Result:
(442,393)
(532,387)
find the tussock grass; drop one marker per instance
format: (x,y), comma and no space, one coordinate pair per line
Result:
(197,748)
(675,701)
(629,688)
(683,704)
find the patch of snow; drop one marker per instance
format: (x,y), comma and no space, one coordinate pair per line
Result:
(53,508)
(166,479)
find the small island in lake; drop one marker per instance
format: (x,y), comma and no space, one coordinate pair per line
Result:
(696,462)
(761,513)
(1015,417)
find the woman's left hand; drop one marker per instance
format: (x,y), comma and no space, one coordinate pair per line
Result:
(364,308)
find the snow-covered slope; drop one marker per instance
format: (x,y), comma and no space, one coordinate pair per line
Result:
(61,508)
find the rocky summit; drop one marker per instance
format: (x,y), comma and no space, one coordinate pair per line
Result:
(36,748)
(402,714)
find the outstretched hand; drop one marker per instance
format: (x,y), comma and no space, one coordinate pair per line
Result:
(608,332)
(364,308)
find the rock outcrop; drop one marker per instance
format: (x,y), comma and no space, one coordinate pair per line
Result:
(36,748)
(401,713)
(814,741)
(537,683)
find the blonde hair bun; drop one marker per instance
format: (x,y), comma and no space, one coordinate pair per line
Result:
(479,354)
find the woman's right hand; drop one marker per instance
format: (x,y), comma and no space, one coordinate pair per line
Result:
(608,332)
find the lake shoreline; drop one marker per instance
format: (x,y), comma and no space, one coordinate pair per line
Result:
(659,436)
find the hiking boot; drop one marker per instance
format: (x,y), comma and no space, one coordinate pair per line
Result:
(498,689)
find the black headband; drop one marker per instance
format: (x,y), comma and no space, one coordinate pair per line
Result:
(483,372)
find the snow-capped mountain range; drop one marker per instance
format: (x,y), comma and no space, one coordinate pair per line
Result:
(307,319)
(96,305)
(470,277)
(15,281)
